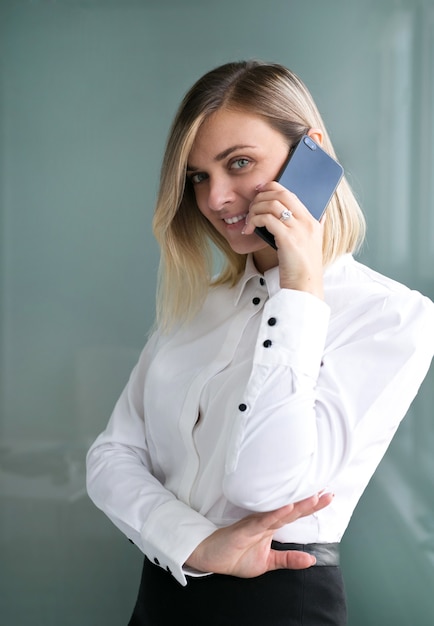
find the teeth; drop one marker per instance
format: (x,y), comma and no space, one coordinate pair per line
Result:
(234,220)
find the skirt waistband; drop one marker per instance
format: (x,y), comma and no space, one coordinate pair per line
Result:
(325,553)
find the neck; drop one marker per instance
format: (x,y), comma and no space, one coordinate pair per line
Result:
(265,259)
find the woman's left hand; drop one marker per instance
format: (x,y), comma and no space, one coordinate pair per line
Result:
(243,549)
(299,238)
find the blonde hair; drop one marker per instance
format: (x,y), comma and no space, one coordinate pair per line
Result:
(185,236)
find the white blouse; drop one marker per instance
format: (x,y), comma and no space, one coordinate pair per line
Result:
(268,396)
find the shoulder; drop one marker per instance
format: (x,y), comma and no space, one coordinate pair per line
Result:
(348,280)
(361,297)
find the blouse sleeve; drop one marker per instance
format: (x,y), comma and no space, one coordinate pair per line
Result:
(308,410)
(120,482)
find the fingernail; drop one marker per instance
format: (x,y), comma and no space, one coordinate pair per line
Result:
(259,187)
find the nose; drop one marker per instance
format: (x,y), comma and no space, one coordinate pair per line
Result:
(220,193)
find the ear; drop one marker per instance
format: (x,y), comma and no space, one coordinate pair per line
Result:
(316,135)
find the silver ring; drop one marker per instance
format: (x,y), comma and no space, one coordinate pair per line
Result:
(285,215)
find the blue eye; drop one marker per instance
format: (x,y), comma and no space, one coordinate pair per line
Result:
(198,178)
(240,163)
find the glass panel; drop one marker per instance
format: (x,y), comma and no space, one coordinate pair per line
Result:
(88,89)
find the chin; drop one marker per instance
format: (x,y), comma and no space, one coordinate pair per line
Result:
(248,245)
(246,248)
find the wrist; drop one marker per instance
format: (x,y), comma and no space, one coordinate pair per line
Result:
(315,288)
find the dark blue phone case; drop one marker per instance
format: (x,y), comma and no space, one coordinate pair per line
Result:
(312,175)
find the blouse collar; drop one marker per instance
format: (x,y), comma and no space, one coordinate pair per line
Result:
(269,280)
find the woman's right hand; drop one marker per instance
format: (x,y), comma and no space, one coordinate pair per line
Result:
(243,549)
(299,239)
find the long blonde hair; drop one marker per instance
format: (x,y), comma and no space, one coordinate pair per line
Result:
(186,238)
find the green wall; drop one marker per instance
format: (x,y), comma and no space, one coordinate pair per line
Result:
(88,90)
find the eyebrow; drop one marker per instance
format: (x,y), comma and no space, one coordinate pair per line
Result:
(222,155)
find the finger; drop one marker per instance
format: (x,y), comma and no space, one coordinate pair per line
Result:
(290,559)
(266,210)
(273,202)
(324,500)
(289,513)
(273,520)
(303,508)
(270,219)
(270,520)
(277,192)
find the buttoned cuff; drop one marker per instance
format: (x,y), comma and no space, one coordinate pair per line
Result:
(170,535)
(293,331)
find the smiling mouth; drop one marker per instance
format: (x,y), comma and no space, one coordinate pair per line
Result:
(235,219)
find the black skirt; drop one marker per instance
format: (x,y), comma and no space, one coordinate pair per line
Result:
(309,597)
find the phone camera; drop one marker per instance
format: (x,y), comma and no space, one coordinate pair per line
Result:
(310,143)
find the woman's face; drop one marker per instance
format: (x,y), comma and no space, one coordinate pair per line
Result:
(233,153)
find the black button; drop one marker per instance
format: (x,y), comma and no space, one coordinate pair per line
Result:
(267,343)
(156,561)
(242,407)
(256,300)
(272,321)
(262,281)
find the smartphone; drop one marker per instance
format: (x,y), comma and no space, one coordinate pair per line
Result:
(312,175)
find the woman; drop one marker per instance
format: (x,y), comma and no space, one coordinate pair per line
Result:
(282,378)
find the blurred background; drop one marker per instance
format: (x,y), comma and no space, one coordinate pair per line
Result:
(88,90)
